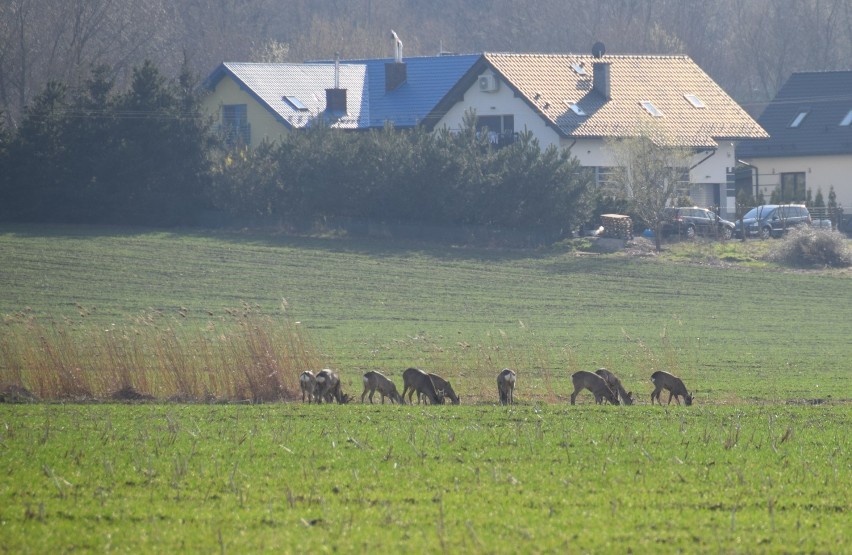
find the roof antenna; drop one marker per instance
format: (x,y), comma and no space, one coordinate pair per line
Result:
(397,47)
(337,70)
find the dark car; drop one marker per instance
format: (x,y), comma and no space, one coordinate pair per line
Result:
(772,220)
(693,221)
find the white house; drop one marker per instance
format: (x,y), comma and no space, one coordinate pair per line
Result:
(568,100)
(810,122)
(582,101)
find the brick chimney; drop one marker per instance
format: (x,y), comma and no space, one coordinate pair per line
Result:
(601,79)
(600,71)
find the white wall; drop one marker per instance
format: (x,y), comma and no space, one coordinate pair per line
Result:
(821,172)
(500,103)
(708,168)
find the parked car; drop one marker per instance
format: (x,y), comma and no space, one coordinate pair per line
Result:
(693,221)
(772,220)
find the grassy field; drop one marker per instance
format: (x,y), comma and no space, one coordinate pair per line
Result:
(734,333)
(470,479)
(761,463)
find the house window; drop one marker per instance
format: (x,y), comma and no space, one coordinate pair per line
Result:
(651,109)
(500,129)
(694,100)
(605,179)
(847,121)
(575,108)
(235,126)
(295,103)
(792,187)
(797,121)
(682,187)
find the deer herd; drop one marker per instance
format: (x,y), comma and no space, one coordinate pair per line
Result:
(324,386)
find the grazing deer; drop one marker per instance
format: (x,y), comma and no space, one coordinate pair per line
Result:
(506,380)
(417,380)
(626,397)
(328,388)
(674,385)
(376,381)
(308,383)
(444,387)
(594,383)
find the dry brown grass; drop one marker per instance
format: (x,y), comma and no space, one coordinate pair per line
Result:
(243,355)
(472,368)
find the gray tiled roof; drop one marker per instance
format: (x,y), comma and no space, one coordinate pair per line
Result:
(270,82)
(827,99)
(548,82)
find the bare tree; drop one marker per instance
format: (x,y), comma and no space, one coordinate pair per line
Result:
(648,170)
(42,40)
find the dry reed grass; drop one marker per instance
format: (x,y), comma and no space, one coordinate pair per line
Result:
(243,355)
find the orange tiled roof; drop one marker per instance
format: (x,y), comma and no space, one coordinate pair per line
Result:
(550,84)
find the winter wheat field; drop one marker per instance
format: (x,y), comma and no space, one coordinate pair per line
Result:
(152,401)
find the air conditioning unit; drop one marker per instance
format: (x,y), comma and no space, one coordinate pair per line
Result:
(488,83)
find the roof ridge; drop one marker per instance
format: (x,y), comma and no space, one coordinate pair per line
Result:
(589,55)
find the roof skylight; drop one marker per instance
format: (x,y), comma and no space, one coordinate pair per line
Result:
(694,100)
(295,103)
(797,121)
(578,68)
(651,109)
(575,108)
(847,121)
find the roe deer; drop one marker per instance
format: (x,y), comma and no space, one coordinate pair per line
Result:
(308,383)
(328,388)
(417,380)
(376,381)
(594,383)
(506,380)
(674,385)
(614,384)
(445,388)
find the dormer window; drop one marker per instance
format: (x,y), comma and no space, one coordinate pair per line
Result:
(847,121)
(797,121)
(651,109)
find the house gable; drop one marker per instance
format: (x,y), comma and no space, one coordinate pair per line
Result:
(292,95)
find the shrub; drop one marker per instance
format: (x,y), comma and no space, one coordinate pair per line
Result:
(808,247)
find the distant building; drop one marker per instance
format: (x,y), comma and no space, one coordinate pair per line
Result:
(810,144)
(571,101)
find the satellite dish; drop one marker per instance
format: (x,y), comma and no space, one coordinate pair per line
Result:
(598,50)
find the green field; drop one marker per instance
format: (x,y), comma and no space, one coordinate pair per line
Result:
(733,333)
(761,462)
(471,479)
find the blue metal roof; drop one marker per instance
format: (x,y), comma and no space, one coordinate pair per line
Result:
(429,80)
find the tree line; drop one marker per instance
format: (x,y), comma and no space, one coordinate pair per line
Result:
(149,156)
(748,47)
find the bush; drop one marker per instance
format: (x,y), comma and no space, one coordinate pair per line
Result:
(808,247)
